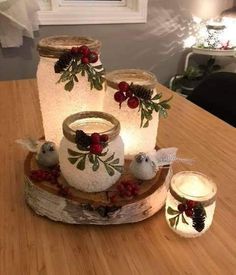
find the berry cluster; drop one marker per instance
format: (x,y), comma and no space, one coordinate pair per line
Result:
(52,177)
(46,175)
(83,53)
(94,143)
(187,208)
(125,93)
(125,189)
(140,96)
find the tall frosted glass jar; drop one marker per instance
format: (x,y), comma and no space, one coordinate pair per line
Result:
(136,139)
(57,103)
(82,163)
(190,203)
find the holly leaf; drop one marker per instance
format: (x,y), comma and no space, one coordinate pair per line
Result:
(69,85)
(110,170)
(110,158)
(172,221)
(91,158)
(98,67)
(157,96)
(73,160)
(95,164)
(119,168)
(81,163)
(146,124)
(177,221)
(76,78)
(73,153)
(183,219)
(116,161)
(172,211)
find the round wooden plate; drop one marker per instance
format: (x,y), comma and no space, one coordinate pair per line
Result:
(96,208)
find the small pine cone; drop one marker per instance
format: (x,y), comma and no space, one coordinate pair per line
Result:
(82,139)
(199,215)
(141,92)
(63,62)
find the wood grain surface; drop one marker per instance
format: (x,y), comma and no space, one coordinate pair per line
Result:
(30,244)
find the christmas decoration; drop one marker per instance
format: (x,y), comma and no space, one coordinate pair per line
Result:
(79,61)
(139,96)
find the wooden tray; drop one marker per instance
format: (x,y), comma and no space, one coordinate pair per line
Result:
(96,208)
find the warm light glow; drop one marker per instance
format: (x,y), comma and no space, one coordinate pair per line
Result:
(190,41)
(191,186)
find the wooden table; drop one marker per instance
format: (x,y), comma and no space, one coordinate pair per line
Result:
(30,244)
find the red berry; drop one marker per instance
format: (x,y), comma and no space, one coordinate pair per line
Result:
(181,207)
(84,60)
(84,50)
(119,97)
(128,94)
(123,86)
(95,138)
(93,57)
(96,149)
(128,193)
(74,51)
(133,102)
(190,204)
(104,138)
(189,213)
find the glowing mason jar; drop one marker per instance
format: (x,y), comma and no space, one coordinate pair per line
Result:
(56,103)
(82,168)
(136,139)
(190,203)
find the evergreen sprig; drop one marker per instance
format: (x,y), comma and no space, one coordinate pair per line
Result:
(147,107)
(111,163)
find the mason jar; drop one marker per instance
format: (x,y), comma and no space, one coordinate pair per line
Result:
(83,168)
(190,203)
(57,103)
(136,139)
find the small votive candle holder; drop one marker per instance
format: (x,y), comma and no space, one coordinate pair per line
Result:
(190,203)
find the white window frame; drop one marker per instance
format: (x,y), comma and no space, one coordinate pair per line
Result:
(69,12)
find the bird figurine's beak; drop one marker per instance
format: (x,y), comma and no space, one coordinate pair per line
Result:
(140,157)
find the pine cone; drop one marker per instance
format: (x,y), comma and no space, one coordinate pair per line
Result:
(82,139)
(63,62)
(199,215)
(141,92)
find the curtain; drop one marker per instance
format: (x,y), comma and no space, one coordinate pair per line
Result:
(18,18)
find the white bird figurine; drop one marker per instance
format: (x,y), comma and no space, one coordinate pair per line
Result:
(145,166)
(142,167)
(46,153)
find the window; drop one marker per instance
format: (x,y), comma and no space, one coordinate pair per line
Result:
(73,12)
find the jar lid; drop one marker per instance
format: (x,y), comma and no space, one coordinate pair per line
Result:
(54,46)
(113,125)
(140,77)
(191,185)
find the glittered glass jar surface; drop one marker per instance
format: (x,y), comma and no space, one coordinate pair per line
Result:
(82,168)
(190,203)
(136,139)
(56,103)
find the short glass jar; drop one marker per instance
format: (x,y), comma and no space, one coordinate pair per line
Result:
(56,103)
(190,203)
(136,139)
(82,169)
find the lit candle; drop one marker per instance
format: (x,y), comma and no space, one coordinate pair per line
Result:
(136,139)
(56,103)
(190,203)
(83,168)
